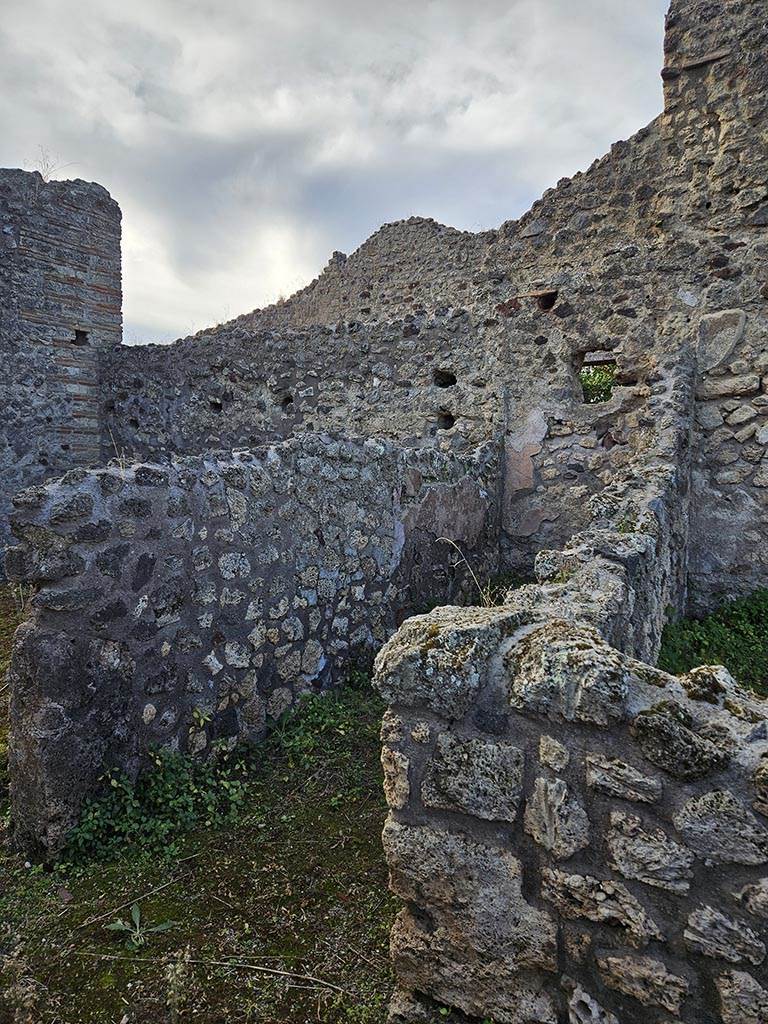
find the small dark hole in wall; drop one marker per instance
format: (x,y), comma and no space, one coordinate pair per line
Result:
(215,404)
(597,378)
(444,378)
(286,403)
(81,338)
(546,301)
(445,420)
(132,422)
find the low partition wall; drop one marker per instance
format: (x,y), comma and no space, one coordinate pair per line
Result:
(190,603)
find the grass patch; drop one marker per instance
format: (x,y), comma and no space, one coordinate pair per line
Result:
(736,636)
(266,902)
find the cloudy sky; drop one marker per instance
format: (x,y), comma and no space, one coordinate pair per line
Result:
(247,139)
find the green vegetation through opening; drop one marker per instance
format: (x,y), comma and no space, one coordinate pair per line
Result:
(597,382)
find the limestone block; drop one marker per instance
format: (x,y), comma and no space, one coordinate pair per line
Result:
(433,660)
(601,900)
(664,734)
(645,979)
(755,898)
(567,671)
(472,894)
(648,856)
(584,1009)
(722,830)
(743,414)
(725,387)
(619,779)
(475,776)
(556,819)
(719,334)
(716,935)
(553,754)
(709,416)
(397,788)
(742,999)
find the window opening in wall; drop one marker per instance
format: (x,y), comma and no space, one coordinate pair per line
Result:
(546,300)
(81,338)
(597,377)
(445,420)
(444,378)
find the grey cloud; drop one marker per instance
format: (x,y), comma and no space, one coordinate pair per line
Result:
(247,140)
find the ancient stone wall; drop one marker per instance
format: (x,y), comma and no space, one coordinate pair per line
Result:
(577,836)
(716,214)
(405,267)
(60,303)
(661,241)
(439,340)
(434,380)
(192,602)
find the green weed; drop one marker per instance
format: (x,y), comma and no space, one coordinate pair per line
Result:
(736,636)
(169,798)
(136,930)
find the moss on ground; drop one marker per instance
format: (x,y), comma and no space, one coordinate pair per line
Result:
(279,917)
(736,635)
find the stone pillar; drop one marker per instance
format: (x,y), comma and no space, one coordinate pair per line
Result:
(60,305)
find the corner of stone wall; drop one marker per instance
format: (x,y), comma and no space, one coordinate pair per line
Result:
(189,604)
(574,834)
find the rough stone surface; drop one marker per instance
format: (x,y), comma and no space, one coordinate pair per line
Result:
(721,829)
(584,1009)
(713,934)
(648,856)
(482,933)
(60,308)
(647,920)
(556,819)
(553,754)
(755,898)
(616,778)
(601,900)
(644,979)
(474,776)
(254,541)
(742,999)
(227,587)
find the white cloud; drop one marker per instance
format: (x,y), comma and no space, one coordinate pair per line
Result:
(247,140)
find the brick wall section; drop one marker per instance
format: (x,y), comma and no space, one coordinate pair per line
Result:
(59,274)
(193,602)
